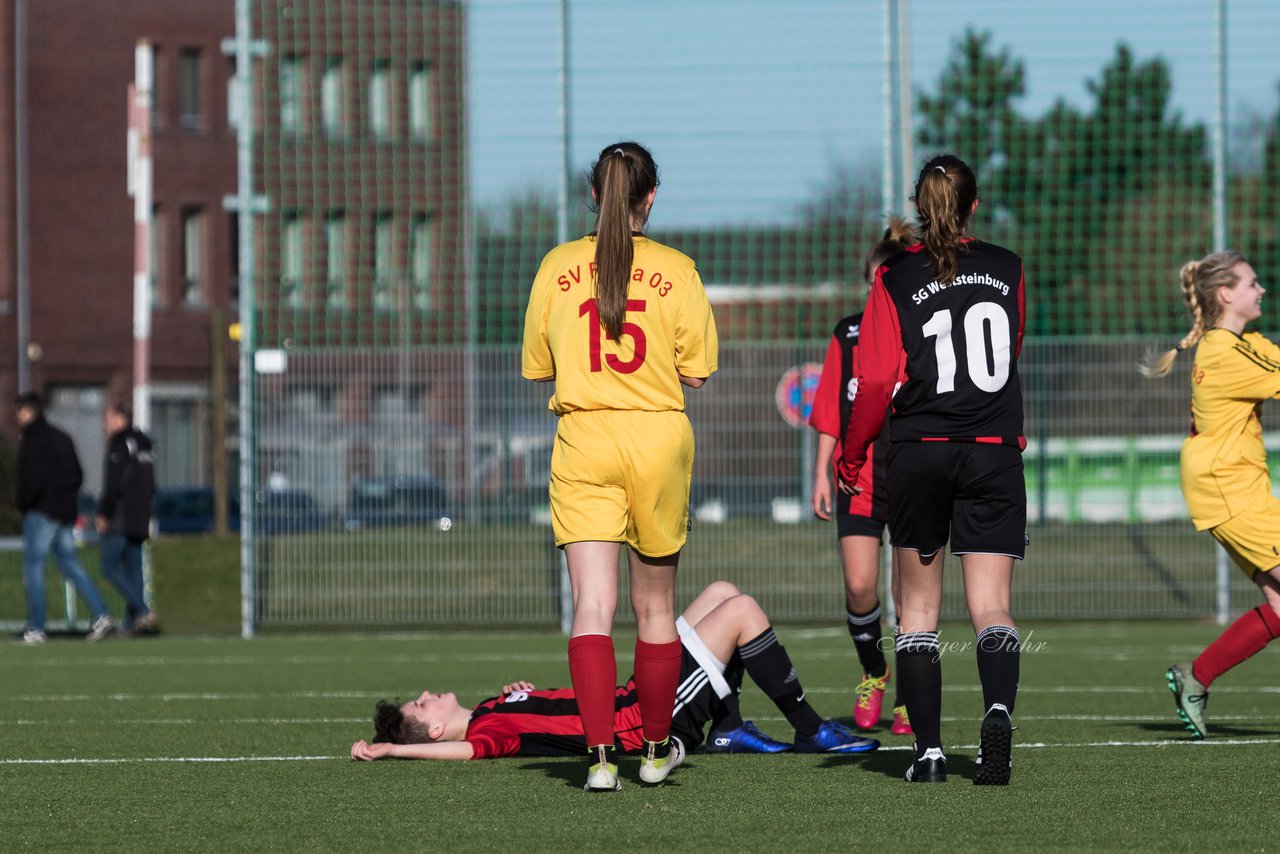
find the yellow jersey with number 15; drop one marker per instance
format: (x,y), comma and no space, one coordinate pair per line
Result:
(668,331)
(1224,463)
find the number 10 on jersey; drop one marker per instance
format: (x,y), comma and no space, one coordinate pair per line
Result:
(986,324)
(591,311)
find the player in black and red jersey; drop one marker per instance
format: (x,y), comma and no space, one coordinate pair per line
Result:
(723,632)
(860,519)
(952,311)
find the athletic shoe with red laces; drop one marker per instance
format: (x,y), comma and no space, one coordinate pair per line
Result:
(870,694)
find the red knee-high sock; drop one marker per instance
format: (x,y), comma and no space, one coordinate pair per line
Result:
(657,676)
(1246,636)
(594,672)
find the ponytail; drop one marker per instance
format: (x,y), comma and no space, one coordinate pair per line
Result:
(898,236)
(622,179)
(1200,282)
(945,192)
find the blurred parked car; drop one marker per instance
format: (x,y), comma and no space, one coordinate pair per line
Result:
(398,500)
(289,511)
(189,510)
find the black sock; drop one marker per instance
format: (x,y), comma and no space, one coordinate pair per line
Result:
(999,656)
(866,633)
(728,714)
(920,682)
(769,667)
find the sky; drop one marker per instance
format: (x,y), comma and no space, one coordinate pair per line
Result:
(749,106)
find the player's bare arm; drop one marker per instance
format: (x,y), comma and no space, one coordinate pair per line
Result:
(693,382)
(362,751)
(821,496)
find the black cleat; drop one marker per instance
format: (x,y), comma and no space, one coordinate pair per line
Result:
(931,767)
(995,748)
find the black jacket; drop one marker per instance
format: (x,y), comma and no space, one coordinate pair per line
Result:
(49,474)
(128,483)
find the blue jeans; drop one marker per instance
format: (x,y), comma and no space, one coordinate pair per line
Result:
(40,534)
(122,566)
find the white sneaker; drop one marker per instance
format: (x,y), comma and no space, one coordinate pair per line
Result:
(654,770)
(31,637)
(101,627)
(602,776)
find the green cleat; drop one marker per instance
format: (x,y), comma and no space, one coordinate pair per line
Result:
(1190,696)
(603,775)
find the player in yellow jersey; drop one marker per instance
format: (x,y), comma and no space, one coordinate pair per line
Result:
(1225,479)
(620,323)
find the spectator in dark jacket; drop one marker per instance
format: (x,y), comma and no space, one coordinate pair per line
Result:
(49,478)
(124,514)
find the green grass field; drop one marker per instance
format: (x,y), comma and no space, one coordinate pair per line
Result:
(188,744)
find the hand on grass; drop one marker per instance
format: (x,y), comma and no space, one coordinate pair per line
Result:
(363,751)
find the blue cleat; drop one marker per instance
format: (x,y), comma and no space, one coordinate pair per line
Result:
(834,737)
(745,739)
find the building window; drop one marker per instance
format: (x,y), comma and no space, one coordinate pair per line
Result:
(189,89)
(154,238)
(420,101)
(384,277)
(233,95)
(380,100)
(192,256)
(233,255)
(420,263)
(331,112)
(290,95)
(157,109)
(291,292)
(336,261)
(179,420)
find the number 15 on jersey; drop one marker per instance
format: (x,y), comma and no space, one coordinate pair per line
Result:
(591,311)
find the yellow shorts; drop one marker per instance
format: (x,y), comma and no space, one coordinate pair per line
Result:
(1252,538)
(623,477)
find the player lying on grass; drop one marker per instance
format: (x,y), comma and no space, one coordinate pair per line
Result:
(723,632)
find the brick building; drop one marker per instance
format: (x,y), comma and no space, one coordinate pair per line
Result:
(358,101)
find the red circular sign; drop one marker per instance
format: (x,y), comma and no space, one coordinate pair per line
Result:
(796,391)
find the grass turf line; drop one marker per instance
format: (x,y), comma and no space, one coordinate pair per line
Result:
(1079,798)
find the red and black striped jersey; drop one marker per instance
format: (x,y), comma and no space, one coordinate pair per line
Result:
(545,722)
(832,406)
(958,343)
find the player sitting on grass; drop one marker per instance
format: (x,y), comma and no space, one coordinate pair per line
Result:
(723,632)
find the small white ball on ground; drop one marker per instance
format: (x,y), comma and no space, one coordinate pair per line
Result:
(445,523)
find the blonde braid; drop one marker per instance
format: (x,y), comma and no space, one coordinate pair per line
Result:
(1159,364)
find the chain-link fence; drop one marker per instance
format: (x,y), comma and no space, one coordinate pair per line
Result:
(418,158)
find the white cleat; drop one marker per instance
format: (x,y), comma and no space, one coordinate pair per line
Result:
(603,775)
(655,769)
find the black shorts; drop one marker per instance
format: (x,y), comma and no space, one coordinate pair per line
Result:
(972,492)
(697,701)
(867,513)
(849,525)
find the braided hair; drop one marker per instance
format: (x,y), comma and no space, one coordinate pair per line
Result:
(1200,283)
